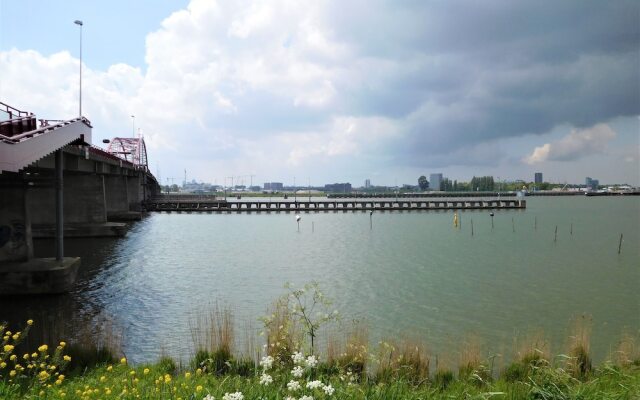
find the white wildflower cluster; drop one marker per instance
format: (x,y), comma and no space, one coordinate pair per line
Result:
(293,385)
(314,385)
(266,362)
(311,361)
(328,389)
(208,397)
(350,378)
(297,371)
(265,379)
(233,396)
(297,357)
(306,390)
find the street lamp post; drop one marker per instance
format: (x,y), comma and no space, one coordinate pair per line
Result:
(133,126)
(79,23)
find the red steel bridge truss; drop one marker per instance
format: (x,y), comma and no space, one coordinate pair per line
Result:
(132,150)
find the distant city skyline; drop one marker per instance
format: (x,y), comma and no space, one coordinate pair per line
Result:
(311,91)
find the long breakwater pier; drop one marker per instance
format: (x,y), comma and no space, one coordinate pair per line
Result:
(213,204)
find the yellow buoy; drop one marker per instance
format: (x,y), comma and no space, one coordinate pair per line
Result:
(455,219)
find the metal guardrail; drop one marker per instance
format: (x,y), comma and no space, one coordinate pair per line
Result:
(11,111)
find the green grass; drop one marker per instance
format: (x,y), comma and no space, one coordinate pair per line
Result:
(125,382)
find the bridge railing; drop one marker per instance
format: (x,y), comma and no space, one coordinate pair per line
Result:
(13,112)
(37,132)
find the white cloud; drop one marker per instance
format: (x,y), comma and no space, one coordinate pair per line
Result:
(577,144)
(235,85)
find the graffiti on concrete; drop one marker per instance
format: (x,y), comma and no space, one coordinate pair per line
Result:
(12,241)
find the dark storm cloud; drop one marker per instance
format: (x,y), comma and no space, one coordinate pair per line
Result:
(464,73)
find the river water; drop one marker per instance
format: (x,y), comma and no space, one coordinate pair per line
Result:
(407,274)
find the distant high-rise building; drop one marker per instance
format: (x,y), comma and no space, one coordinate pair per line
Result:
(591,184)
(435,181)
(538,178)
(367,183)
(273,186)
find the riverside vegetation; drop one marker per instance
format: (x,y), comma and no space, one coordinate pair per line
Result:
(289,365)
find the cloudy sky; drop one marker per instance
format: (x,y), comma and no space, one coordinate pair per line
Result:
(329,91)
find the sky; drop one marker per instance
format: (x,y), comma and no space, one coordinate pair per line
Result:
(341,91)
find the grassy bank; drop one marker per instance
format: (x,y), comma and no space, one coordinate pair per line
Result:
(291,364)
(164,381)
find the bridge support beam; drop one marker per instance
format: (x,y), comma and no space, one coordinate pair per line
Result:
(59,205)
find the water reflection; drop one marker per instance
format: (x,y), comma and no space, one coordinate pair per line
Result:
(412,273)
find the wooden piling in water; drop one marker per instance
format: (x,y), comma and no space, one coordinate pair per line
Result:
(555,236)
(513,225)
(471,226)
(620,244)
(312,227)
(571,230)
(535,223)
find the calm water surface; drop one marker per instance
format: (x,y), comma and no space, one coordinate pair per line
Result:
(412,274)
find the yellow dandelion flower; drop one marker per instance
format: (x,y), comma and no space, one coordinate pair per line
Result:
(43,375)
(103,378)
(132,373)
(167,378)
(43,348)
(13,357)
(123,360)
(34,355)
(62,344)
(107,392)
(187,375)
(145,371)
(66,358)
(12,373)
(198,371)
(109,368)
(16,336)
(3,365)
(29,322)
(26,356)
(198,389)
(8,348)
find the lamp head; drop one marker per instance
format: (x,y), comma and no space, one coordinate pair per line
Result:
(78,22)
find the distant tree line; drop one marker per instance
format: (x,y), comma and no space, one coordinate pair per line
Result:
(482,184)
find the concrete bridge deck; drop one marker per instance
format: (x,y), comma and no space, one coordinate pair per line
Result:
(218,205)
